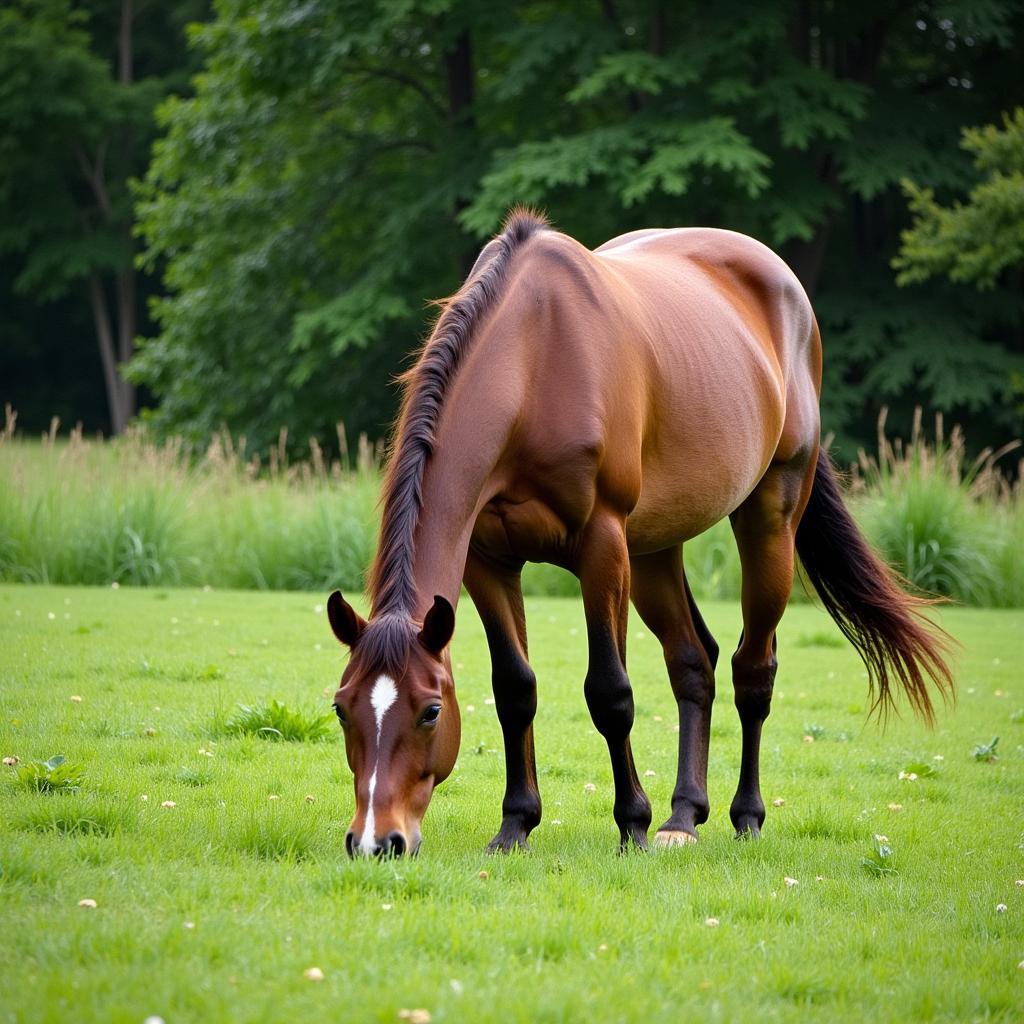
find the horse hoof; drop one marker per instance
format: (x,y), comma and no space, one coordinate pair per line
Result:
(666,837)
(508,844)
(633,839)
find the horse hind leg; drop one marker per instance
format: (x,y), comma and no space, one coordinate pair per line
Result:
(603,570)
(663,600)
(765,529)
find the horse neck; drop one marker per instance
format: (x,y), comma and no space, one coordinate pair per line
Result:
(462,475)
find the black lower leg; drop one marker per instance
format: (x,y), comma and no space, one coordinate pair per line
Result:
(693,684)
(515,700)
(753,683)
(610,700)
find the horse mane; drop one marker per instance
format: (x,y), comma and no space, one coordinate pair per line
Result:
(390,582)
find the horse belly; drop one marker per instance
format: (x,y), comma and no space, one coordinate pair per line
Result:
(675,507)
(703,464)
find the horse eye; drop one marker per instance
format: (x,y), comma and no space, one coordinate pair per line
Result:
(340,714)
(429,716)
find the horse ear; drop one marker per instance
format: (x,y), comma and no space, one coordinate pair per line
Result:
(438,626)
(345,621)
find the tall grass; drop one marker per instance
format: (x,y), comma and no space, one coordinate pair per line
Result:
(951,524)
(75,510)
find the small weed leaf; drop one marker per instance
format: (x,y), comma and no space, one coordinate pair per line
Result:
(276,721)
(880,861)
(918,770)
(194,776)
(986,751)
(51,775)
(200,673)
(817,731)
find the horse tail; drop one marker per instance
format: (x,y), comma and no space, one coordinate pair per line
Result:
(868,601)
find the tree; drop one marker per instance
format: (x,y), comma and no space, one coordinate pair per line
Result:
(76,120)
(340,163)
(974,242)
(979,244)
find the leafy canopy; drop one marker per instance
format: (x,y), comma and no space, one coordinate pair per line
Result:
(974,241)
(340,163)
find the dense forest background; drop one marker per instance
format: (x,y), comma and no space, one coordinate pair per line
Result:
(240,222)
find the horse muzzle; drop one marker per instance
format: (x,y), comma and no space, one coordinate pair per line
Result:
(394,844)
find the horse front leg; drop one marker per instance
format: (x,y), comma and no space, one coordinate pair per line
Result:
(603,570)
(498,596)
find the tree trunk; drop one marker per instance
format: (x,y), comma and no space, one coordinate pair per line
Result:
(116,398)
(806,258)
(460,75)
(126,300)
(856,59)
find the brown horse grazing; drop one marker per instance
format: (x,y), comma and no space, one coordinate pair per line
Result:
(596,410)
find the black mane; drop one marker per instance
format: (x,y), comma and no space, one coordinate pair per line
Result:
(391,587)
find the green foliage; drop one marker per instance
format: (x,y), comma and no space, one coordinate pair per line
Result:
(78,86)
(58,102)
(879,862)
(51,776)
(986,751)
(975,241)
(276,721)
(340,163)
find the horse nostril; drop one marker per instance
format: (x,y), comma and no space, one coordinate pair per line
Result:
(397,843)
(382,848)
(350,843)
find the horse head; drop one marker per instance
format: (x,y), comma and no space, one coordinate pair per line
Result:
(397,708)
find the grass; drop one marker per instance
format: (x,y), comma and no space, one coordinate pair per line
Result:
(212,909)
(133,512)
(952,525)
(276,721)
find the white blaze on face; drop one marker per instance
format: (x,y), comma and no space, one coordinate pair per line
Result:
(383,695)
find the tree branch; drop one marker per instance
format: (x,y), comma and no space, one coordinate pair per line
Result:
(403,79)
(93,174)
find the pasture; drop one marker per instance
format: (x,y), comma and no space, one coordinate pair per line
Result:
(213,908)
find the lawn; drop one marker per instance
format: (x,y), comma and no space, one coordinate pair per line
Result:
(213,908)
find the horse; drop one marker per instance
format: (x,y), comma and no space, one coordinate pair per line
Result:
(596,410)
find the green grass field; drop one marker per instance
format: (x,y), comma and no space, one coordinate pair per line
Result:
(214,908)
